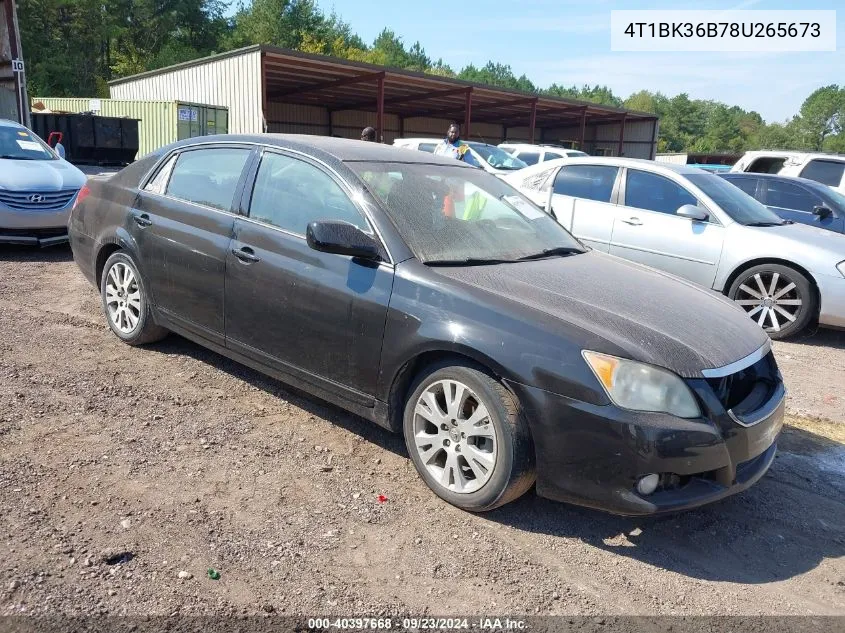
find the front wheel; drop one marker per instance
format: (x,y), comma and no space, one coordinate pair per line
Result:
(780,299)
(467,438)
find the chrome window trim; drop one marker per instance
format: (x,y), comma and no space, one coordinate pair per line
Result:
(742,363)
(176,150)
(194,204)
(348,189)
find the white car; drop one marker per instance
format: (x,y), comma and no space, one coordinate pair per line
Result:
(533,154)
(488,157)
(828,169)
(696,225)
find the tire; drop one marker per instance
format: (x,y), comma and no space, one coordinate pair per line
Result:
(127,307)
(491,464)
(782,313)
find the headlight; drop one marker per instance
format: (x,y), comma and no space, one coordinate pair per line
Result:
(641,387)
(841,268)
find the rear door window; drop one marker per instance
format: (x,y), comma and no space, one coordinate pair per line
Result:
(767,165)
(827,172)
(208,176)
(159,183)
(551,156)
(591,182)
(529,158)
(748,185)
(788,196)
(644,190)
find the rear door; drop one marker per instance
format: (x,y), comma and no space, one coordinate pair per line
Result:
(794,202)
(317,316)
(582,202)
(648,230)
(182,222)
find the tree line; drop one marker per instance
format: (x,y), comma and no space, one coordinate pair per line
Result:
(74,47)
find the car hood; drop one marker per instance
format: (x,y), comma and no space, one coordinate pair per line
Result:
(39,175)
(813,242)
(654,317)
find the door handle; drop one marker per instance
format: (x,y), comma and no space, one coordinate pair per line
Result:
(246,255)
(142,220)
(633,221)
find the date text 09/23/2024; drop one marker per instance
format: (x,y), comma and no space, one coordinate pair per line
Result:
(416,624)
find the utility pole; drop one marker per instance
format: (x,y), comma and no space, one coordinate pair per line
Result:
(14,102)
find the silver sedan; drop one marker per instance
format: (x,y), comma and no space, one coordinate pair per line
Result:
(695,225)
(37,188)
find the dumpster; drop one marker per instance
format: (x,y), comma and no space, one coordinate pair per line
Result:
(89,139)
(160,122)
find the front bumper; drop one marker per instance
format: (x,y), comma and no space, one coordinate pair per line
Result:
(34,228)
(832,295)
(593,455)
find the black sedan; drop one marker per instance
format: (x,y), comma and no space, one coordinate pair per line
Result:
(792,198)
(434,300)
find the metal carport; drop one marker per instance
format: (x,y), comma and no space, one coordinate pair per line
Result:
(279,90)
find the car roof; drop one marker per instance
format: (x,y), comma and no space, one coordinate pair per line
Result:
(9,123)
(814,184)
(802,156)
(328,147)
(633,163)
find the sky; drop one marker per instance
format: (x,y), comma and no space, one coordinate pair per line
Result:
(568,42)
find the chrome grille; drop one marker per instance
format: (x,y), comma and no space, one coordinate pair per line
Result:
(37,200)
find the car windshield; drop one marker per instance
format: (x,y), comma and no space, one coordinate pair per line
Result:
(732,200)
(454,215)
(18,143)
(837,198)
(496,157)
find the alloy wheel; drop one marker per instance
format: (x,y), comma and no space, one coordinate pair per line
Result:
(454,436)
(771,299)
(123,298)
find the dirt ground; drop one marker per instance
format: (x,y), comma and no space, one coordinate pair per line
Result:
(122,467)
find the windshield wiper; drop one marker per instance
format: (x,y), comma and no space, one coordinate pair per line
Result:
(765,224)
(468,261)
(552,252)
(13,157)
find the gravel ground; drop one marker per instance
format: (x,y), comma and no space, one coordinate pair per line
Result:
(125,474)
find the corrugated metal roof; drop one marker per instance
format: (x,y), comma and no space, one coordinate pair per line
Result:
(296,77)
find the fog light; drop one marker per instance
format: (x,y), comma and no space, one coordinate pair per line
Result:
(648,484)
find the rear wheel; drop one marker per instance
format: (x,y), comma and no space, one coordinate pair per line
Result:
(125,302)
(780,299)
(467,438)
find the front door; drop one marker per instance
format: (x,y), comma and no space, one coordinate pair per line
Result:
(317,316)
(647,229)
(582,202)
(182,222)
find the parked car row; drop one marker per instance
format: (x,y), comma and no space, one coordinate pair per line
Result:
(828,169)
(540,325)
(437,301)
(698,226)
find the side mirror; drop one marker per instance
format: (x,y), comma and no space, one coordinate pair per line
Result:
(60,150)
(692,212)
(341,238)
(822,212)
